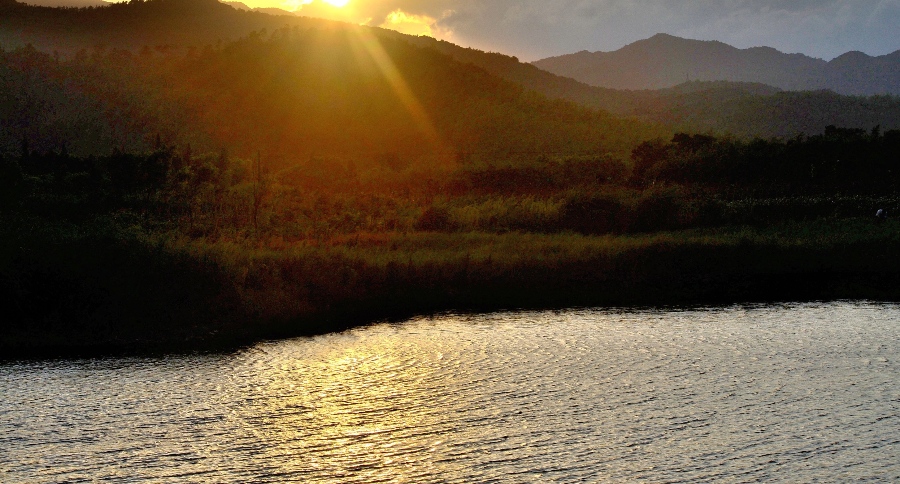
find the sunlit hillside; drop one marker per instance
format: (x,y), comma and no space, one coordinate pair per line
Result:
(133,24)
(319,88)
(191,27)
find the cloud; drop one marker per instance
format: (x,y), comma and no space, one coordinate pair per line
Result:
(532,29)
(538,28)
(413,24)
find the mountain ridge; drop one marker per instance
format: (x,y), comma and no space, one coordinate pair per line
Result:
(295,88)
(740,108)
(744,109)
(664,60)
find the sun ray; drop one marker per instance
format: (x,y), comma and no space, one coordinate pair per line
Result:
(372,46)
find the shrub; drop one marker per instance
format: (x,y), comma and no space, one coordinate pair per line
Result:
(434,219)
(595,214)
(659,210)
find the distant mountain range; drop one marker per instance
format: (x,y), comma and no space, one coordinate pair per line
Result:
(268,10)
(743,109)
(664,61)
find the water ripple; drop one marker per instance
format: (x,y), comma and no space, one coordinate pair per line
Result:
(798,393)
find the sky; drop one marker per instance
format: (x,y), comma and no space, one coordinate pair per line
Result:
(534,29)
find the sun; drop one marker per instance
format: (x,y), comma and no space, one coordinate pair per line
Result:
(337,3)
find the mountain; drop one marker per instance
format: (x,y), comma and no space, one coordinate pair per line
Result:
(751,110)
(135,24)
(68,3)
(159,31)
(664,61)
(268,10)
(743,109)
(308,89)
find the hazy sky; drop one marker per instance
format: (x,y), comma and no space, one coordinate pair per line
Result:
(532,29)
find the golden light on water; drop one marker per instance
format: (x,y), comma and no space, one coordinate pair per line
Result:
(365,399)
(690,395)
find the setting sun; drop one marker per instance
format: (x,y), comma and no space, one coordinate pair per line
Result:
(337,3)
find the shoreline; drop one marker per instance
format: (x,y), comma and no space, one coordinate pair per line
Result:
(760,289)
(92,296)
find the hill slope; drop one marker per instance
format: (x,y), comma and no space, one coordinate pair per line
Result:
(739,108)
(132,25)
(166,29)
(316,88)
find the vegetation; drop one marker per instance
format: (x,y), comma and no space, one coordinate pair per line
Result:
(743,109)
(169,249)
(304,179)
(295,94)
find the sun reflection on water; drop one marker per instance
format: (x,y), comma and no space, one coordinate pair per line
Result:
(733,394)
(355,409)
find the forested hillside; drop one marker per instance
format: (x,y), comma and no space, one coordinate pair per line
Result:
(756,110)
(291,93)
(133,25)
(189,27)
(724,107)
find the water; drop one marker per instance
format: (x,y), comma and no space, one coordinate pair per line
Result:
(795,393)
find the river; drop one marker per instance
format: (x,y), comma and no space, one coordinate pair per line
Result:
(790,392)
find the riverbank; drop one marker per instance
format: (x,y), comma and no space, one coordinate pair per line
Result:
(74,294)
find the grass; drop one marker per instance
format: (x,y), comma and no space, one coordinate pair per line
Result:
(130,291)
(206,258)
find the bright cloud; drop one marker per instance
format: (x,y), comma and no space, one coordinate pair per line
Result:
(532,29)
(408,24)
(413,24)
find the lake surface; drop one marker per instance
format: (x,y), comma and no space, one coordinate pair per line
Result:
(794,393)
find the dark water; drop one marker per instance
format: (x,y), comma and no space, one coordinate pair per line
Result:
(797,393)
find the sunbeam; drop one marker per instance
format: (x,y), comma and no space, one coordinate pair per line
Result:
(367,42)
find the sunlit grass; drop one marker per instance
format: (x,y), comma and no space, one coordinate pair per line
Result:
(526,249)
